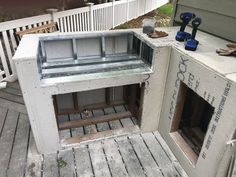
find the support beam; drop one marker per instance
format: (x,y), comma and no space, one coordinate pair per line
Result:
(89,121)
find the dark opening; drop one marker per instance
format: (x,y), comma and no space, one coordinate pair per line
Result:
(112,103)
(192,117)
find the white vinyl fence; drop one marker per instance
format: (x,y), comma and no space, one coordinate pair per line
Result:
(91,18)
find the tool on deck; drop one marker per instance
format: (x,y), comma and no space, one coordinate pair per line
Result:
(192,43)
(186,17)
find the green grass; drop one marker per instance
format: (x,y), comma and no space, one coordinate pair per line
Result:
(166,9)
(124,26)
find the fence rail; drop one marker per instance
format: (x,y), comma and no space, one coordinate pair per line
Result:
(91,18)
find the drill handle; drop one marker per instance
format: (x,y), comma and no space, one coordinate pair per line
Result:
(195,23)
(186,18)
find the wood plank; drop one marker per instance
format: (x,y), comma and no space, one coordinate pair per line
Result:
(3,115)
(19,152)
(184,146)
(179,109)
(64,133)
(89,107)
(89,128)
(101,135)
(101,126)
(34,159)
(76,131)
(134,119)
(169,153)
(98,160)
(12,91)
(234,166)
(93,120)
(14,85)
(114,159)
(50,167)
(165,147)
(159,155)
(148,163)
(69,169)
(83,163)
(127,122)
(11,97)
(44,28)
(132,163)
(6,140)
(13,106)
(115,123)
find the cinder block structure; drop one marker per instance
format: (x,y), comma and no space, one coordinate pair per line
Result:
(188,96)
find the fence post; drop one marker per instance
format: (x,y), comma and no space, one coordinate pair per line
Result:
(52,12)
(90,4)
(145,2)
(138,9)
(127,11)
(113,13)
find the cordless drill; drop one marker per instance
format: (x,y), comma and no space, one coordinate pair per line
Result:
(186,17)
(191,43)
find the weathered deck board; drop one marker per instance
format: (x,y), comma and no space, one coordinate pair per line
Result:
(82,157)
(127,122)
(69,169)
(165,146)
(34,160)
(98,160)
(132,163)
(13,106)
(161,158)
(135,121)
(101,126)
(89,128)
(50,168)
(170,154)
(76,131)
(114,159)
(115,124)
(64,133)
(12,91)
(7,139)
(19,150)
(14,85)
(3,114)
(144,156)
(11,97)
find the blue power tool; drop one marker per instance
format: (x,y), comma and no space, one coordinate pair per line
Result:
(192,43)
(186,17)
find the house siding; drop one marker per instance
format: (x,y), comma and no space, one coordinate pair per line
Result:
(218,17)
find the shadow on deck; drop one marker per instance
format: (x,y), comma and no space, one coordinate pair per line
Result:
(142,154)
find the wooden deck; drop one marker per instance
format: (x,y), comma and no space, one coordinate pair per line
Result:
(139,154)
